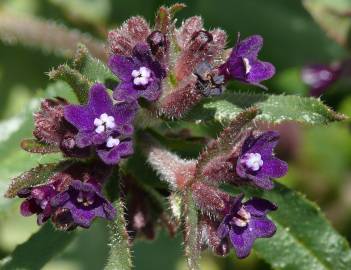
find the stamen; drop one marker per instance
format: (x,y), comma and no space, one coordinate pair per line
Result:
(104,122)
(247,65)
(252,161)
(141,76)
(112,142)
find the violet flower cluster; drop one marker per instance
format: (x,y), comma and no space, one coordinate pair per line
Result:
(165,70)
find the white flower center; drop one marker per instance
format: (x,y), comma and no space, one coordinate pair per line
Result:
(242,217)
(104,122)
(112,142)
(247,65)
(142,76)
(252,161)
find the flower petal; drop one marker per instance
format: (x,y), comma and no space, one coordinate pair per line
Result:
(274,168)
(260,71)
(249,47)
(79,116)
(259,207)
(122,66)
(125,91)
(124,113)
(242,240)
(99,100)
(262,227)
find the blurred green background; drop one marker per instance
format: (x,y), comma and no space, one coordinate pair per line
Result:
(319,157)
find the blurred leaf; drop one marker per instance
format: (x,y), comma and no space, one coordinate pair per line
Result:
(38,250)
(334,17)
(304,240)
(47,35)
(275,108)
(191,234)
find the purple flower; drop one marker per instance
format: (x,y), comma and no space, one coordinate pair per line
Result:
(245,222)
(320,77)
(84,202)
(257,161)
(243,64)
(37,201)
(104,125)
(140,75)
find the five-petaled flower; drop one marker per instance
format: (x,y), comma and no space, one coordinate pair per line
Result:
(140,75)
(101,123)
(244,222)
(243,65)
(85,202)
(257,162)
(37,201)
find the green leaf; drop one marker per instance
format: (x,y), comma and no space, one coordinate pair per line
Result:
(79,83)
(191,234)
(274,108)
(304,239)
(333,17)
(38,249)
(92,68)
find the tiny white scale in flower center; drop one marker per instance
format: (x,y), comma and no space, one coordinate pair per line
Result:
(112,142)
(252,161)
(243,217)
(141,76)
(104,122)
(247,65)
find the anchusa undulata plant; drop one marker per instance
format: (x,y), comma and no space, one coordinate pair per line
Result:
(136,150)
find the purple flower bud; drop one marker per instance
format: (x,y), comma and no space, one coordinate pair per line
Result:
(37,201)
(101,124)
(257,162)
(243,64)
(245,222)
(209,82)
(51,127)
(85,202)
(140,75)
(320,77)
(122,40)
(159,45)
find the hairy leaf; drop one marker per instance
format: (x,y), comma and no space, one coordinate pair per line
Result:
(79,83)
(35,146)
(191,234)
(38,249)
(93,69)
(304,239)
(35,176)
(334,17)
(274,108)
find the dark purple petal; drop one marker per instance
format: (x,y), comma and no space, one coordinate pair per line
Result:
(99,100)
(122,66)
(28,208)
(260,71)
(112,156)
(259,207)
(274,168)
(262,181)
(262,227)
(265,144)
(125,91)
(242,241)
(152,92)
(124,113)
(59,199)
(223,228)
(79,117)
(249,47)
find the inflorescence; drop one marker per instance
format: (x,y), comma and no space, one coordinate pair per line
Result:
(165,70)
